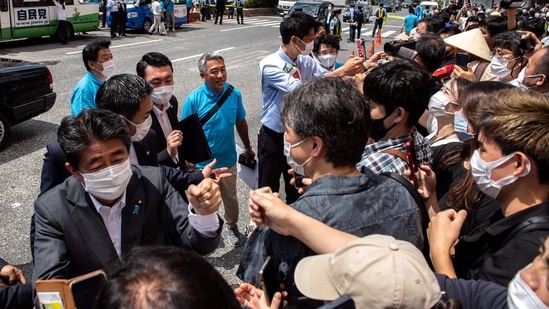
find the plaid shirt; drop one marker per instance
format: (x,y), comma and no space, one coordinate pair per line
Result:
(379,161)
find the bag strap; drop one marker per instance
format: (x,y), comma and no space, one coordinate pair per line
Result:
(535,223)
(217,105)
(480,69)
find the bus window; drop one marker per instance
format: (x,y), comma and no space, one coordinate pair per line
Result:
(26,3)
(4,5)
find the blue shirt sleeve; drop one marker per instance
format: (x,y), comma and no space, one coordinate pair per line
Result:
(474,293)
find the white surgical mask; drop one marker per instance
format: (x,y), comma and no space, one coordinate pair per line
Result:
(327,61)
(520,295)
(482,174)
(141,129)
(108,68)
(519,82)
(437,104)
(298,168)
(110,182)
(308,47)
(162,95)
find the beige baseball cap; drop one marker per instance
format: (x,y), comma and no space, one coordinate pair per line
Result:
(471,41)
(376,271)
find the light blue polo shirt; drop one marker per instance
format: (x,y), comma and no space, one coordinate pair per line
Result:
(219,130)
(83,94)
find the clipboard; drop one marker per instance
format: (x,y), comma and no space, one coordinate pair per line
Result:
(195,146)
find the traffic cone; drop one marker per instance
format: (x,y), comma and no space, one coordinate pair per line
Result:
(372,50)
(378,38)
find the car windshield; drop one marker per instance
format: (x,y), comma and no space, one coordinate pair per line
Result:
(309,9)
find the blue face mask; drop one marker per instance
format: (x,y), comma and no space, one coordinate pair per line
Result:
(460,126)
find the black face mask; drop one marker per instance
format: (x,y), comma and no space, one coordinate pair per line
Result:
(378,130)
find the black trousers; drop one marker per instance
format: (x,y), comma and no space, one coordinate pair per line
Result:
(378,23)
(62,26)
(114,23)
(219,13)
(240,14)
(272,163)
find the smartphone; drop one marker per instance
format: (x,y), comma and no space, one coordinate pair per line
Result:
(298,181)
(359,48)
(270,281)
(85,290)
(344,302)
(461,60)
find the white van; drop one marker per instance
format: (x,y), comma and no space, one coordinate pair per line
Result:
(428,4)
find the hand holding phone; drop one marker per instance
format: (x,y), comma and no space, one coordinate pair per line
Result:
(270,281)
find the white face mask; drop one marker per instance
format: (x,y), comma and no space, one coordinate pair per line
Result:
(141,129)
(520,295)
(437,104)
(162,95)
(298,168)
(327,61)
(108,68)
(308,47)
(520,80)
(482,174)
(110,182)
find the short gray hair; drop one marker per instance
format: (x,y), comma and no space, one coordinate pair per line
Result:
(208,56)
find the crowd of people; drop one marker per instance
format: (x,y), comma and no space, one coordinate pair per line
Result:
(422,182)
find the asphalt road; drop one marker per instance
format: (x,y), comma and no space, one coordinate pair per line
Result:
(243,46)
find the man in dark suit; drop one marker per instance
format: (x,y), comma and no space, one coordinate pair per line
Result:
(110,206)
(15,292)
(157,70)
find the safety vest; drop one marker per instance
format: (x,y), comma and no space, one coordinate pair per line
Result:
(379,13)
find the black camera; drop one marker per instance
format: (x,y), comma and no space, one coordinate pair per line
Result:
(526,44)
(510,4)
(401,49)
(391,48)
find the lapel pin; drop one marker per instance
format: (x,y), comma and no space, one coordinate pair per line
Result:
(136,206)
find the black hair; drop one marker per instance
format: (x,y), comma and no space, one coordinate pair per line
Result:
(123,94)
(509,40)
(431,25)
(431,49)
(399,83)
(91,51)
(450,31)
(298,24)
(335,111)
(75,134)
(153,59)
(535,25)
(167,278)
(326,39)
(494,24)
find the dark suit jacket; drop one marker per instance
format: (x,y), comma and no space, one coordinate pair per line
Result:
(72,240)
(18,296)
(54,171)
(163,156)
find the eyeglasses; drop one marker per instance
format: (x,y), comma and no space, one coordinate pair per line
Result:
(499,53)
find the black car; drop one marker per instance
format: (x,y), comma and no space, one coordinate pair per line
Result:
(317,9)
(26,91)
(388,5)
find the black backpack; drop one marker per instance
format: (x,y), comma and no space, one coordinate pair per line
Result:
(359,16)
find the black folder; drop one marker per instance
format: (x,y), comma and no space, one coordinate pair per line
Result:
(195,146)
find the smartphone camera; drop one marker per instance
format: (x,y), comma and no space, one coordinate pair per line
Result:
(298,181)
(506,4)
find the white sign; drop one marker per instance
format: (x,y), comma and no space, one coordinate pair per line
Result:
(31,16)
